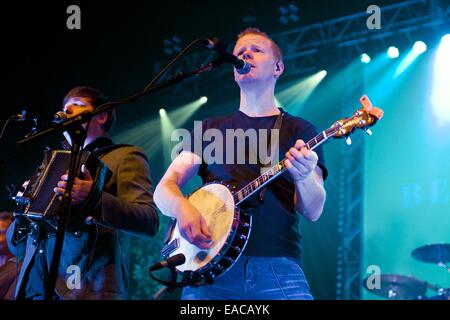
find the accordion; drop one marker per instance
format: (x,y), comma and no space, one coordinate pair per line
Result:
(39,202)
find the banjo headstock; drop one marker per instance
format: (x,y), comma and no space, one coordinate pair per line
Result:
(363,118)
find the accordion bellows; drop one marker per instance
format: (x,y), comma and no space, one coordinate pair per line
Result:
(39,201)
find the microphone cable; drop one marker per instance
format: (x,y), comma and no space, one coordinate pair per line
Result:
(4,127)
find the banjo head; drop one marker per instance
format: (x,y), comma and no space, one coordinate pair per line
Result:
(216,204)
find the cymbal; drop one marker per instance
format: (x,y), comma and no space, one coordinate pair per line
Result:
(398,287)
(433,253)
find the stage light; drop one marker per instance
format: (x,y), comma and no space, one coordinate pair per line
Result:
(393,52)
(172,45)
(440,98)
(293,8)
(365,58)
(167,128)
(181,114)
(419,47)
(445,39)
(288,14)
(293,96)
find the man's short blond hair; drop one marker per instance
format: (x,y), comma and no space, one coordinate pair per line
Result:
(275,48)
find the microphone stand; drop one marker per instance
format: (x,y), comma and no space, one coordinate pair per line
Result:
(78,135)
(167,289)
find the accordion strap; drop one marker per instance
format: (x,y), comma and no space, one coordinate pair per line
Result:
(102,176)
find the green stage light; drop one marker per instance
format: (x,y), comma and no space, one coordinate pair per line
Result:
(393,52)
(419,47)
(365,58)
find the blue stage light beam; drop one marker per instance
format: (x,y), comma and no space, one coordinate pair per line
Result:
(418,48)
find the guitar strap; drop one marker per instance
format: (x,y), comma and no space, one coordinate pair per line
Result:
(277,126)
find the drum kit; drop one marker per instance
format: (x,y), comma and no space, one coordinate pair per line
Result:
(399,287)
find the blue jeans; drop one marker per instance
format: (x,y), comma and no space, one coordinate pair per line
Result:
(256,278)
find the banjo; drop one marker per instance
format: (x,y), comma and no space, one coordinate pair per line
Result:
(231,227)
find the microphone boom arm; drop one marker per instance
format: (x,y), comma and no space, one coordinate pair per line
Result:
(61,126)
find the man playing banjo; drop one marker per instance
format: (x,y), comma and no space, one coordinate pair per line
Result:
(270,267)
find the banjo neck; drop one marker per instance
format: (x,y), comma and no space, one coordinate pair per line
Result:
(270,174)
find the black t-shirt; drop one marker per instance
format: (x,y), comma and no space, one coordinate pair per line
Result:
(275,228)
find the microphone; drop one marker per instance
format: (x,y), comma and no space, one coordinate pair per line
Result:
(242,67)
(24,116)
(173,261)
(60,116)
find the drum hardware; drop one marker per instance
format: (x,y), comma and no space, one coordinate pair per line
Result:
(400,287)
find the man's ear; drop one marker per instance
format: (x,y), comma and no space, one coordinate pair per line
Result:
(102,118)
(279,68)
